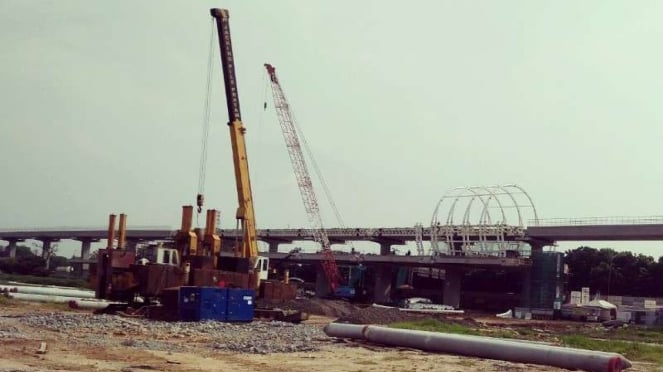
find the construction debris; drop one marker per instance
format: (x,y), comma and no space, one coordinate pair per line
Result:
(42,348)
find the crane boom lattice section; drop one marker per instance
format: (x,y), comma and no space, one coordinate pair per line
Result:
(304,182)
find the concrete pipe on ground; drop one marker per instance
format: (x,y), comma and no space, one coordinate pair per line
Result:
(484,347)
(91,304)
(40,290)
(38,297)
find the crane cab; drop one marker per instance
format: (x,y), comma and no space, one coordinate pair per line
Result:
(261,267)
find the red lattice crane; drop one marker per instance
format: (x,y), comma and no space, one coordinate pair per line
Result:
(304,183)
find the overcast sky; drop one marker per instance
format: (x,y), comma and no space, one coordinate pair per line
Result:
(101,105)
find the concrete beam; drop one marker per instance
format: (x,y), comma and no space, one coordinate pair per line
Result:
(596,232)
(410,261)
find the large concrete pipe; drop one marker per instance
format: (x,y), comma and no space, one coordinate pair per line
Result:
(38,297)
(484,347)
(66,292)
(91,304)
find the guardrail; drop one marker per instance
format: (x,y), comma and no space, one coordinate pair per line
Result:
(588,221)
(82,228)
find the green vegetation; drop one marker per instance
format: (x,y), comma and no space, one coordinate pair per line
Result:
(615,273)
(435,325)
(45,280)
(635,343)
(631,333)
(4,301)
(631,350)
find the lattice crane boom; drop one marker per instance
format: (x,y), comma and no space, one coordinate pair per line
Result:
(304,183)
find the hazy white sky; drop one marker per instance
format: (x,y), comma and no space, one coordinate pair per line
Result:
(101,107)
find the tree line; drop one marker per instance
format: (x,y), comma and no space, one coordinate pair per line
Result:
(27,262)
(614,273)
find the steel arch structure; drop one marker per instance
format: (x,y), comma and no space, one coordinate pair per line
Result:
(475,220)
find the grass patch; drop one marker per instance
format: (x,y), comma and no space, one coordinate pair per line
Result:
(630,333)
(434,325)
(6,302)
(631,350)
(45,280)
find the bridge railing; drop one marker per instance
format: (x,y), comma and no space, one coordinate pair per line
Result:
(588,221)
(81,228)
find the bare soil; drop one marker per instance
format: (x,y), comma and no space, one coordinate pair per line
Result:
(71,350)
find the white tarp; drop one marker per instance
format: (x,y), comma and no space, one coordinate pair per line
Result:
(600,304)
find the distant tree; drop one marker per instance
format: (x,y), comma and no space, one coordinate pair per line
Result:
(49,253)
(616,273)
(57,261)
(24,251)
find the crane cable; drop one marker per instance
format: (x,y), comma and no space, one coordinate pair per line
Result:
(318,173)
(205,130)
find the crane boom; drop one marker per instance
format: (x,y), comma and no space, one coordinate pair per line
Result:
(303,179)
(245,213)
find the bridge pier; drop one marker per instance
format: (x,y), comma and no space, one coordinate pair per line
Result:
(452,283)
(321,283)
(382,289)
(273,246)
(46,249)
(11,248)
(385,245)
(86,245)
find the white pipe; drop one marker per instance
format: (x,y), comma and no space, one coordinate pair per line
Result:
(38,297)
(484,347)
(92,304)
(40,290)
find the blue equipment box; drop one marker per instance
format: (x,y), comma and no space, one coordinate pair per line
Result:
(203,303)
(240,305)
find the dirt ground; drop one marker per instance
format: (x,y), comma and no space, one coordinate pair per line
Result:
(70,350)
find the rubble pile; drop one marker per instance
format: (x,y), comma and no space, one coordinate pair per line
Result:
(377,315)
(254,337)
(317,306)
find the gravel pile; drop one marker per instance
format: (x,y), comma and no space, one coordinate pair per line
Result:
(10,332)
(377,315)
(255,337)
(317,306)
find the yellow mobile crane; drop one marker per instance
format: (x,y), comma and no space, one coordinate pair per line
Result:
(248,247)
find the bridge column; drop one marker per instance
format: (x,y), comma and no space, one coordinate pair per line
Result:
(86,244)
(273,246)
(11,248)
(452,281)
(526,291)
(321,283)
(46,250)
(382,289)
(385,248)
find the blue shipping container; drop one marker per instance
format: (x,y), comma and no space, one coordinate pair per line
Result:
(202,303)
(240,305)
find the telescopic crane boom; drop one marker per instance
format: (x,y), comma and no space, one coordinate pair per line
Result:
(303,178)
(245,214)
